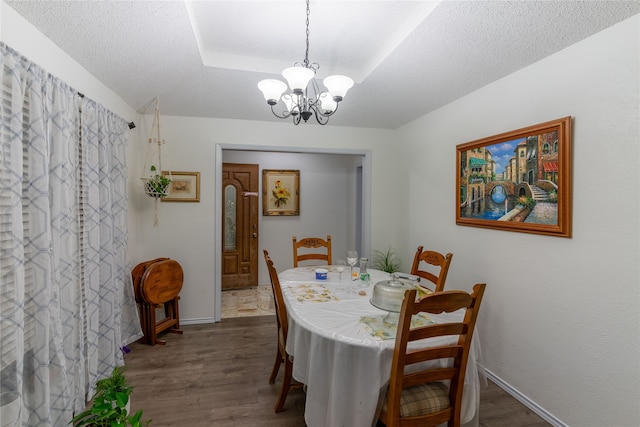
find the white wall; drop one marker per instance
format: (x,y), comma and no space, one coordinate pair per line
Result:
(560,322)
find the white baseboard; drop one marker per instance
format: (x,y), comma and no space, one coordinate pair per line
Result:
(548,417)
(197,321)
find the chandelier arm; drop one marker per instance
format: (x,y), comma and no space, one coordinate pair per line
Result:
(285,115)
(330,113)
(315,105)
(317,108)
(320,118)
(313,100)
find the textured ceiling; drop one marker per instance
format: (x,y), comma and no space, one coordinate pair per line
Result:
(204,58)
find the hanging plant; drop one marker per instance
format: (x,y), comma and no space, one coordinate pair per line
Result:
(156,178)
(156,185)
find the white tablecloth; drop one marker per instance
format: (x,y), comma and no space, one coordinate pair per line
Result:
(335,353)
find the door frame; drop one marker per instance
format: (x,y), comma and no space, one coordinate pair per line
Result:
(366,199)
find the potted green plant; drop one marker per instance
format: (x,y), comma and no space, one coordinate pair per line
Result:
(156,185)
(110,404)
(386,260)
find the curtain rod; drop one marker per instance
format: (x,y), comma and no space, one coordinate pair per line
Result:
(131,125)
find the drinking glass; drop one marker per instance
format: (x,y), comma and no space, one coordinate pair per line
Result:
(352,260)
(340,266)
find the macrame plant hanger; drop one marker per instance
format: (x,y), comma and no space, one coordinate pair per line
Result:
(156,183)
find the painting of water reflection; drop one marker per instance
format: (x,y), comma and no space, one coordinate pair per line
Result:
(518,180)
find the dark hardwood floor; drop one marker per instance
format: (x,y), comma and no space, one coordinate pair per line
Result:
(217,375)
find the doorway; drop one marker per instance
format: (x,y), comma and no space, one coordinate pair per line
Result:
(240,226)
(229,153)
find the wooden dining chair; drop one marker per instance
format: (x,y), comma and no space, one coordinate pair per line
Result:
(311,243)
(435,259)
(421,397)
(283,327)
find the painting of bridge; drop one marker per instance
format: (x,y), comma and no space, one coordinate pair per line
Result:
(519,180)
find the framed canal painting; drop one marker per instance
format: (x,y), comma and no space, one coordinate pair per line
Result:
(518,180)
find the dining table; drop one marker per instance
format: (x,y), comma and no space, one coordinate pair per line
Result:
(342,348)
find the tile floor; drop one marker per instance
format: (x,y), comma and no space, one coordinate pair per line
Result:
(256,301)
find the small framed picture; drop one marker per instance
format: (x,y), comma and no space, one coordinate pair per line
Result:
(280,192)
(184,187)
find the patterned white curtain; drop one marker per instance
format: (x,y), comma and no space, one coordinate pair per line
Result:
(66,300)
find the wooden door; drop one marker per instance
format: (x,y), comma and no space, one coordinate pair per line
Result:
(239,225)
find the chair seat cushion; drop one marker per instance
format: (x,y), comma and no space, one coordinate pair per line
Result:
(423,399)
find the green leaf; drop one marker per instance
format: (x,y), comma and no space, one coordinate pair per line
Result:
(122,397)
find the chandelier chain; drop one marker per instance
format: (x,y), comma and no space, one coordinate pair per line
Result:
(306,55)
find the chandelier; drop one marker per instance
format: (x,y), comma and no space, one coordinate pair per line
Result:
(305,98)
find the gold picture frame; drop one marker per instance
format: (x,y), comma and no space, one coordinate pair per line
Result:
(280,192)
(184,186)
(518,180)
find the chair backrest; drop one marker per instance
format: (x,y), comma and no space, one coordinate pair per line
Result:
(460,333)
(281,309)
(311,243)
(436,259)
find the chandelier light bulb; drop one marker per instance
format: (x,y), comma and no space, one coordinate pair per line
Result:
(327,103)
(298,78)
(287,98)
(272,90)
(338,86)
